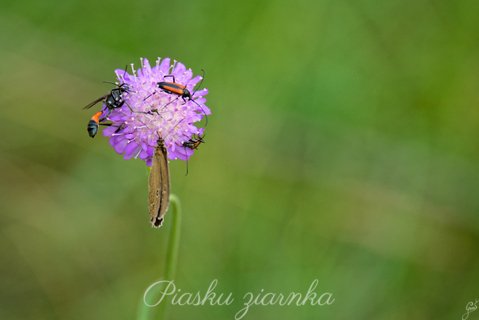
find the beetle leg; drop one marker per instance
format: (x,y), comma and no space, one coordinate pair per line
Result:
(170,76)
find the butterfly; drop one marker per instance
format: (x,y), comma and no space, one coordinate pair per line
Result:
(159,186)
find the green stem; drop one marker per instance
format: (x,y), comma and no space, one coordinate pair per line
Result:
(145,312)
(174,241)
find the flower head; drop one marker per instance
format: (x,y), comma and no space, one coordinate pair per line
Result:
(150,113)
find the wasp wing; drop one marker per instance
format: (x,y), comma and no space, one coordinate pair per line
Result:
(91,104)
(159,186)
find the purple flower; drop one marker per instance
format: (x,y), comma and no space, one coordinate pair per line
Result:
(149,113)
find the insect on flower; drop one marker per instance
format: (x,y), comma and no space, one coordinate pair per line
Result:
(159,186)
(93,124)
(181,91)
(174,122)
(112,100)
(153,125)
(194,143)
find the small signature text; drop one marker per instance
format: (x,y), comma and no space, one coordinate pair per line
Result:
(471,306)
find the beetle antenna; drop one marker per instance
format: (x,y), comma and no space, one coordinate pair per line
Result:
(201,82)
(206,116)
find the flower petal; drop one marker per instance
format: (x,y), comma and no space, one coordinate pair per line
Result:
(150,113)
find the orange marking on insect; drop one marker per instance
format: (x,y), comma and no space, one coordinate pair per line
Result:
(172,87)
(96,116)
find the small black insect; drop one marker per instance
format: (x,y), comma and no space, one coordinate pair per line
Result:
(194,143)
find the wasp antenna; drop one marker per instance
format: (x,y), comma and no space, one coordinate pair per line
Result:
(111,83)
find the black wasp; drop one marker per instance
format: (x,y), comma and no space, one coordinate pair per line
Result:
(113,100)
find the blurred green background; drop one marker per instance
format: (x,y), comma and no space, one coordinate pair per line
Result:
(343,147)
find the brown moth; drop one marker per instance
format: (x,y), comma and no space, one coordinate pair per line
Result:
(159,186)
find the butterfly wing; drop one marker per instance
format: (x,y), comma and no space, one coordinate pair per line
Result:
(159,186)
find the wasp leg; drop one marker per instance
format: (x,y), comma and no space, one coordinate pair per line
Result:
(129,107)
